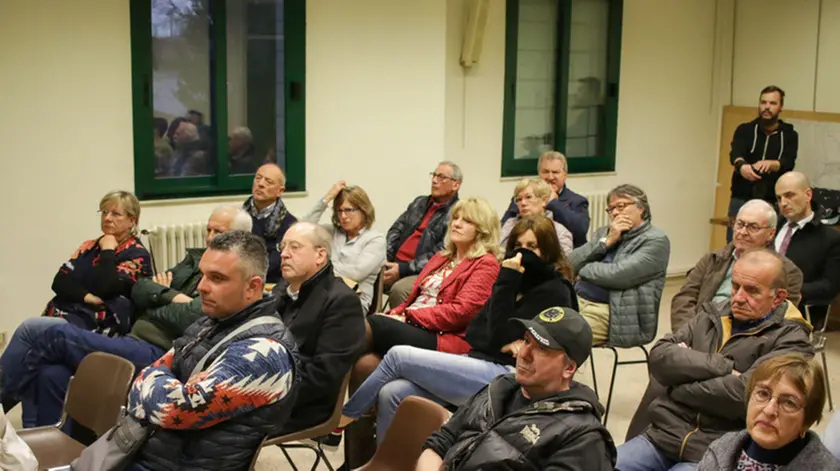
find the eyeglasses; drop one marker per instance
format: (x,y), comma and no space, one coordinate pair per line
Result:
(440,176)
(105,212)
(347,211)
(787,404)
(751,228)
(619,206)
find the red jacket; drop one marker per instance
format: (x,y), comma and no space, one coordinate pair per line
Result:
(462,294)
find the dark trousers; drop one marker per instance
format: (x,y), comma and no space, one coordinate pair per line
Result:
(388,332)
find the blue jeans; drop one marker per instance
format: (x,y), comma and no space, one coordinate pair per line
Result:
(734,206)
(639,454)
(43,354)
(410,371)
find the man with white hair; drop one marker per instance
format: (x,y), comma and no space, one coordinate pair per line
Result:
(241,151)
(47,350)
(567,207)
(325,318)
(711,278)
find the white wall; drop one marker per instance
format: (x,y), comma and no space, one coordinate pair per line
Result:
(792,44)
(386,100)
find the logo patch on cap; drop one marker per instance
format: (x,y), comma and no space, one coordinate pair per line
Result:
(552,314)
(539,338)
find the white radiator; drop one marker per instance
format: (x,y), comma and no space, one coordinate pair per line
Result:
(169,244)
(597,211)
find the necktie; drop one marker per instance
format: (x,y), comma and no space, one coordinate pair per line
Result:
(786,240)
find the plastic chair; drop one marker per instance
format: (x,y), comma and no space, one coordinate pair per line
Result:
(818,339)
(415,420)
(93,400)
(616,364)
(311,433)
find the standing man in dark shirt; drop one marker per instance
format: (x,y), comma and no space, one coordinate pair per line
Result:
(270,216)
(762,150)
(567,207)
(419,232)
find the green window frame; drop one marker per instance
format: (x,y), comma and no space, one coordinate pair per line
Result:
(146,185)
(604,161)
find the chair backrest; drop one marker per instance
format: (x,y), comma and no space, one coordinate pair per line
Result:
(415,420)
(98,390)
(378,293)
(324,428)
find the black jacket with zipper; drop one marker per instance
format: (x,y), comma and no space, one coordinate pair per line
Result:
(704,399)
(753,144)
(563,431)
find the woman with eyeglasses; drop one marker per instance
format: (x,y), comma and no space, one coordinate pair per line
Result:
(531,197)
(785,397)
(358,250)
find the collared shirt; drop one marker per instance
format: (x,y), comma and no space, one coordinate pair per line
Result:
(787,227)
(292,294)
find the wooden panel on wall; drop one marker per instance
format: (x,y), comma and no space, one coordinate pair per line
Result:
(732,117)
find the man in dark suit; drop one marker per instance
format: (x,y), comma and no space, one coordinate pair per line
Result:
(567,207)
(811,245)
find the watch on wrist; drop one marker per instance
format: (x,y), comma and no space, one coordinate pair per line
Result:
(603,241)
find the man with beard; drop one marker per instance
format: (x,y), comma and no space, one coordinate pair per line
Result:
(762,150)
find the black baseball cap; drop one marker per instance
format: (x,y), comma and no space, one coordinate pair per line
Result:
(561,328)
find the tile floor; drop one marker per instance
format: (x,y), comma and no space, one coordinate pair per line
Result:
(630,385)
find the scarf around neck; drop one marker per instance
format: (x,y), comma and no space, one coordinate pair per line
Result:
(275,218)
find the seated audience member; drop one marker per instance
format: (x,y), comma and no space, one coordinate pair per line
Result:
(707,364)
(417,235)
(811,245)
(358,250)
(190,152)
(568,208)
(217,417)
(241,151)
(451,289)
(530,197)
(535,418)
(711,278)
(786,397)
(91,288)
(622,271)
(325,318)
(534,277)
(44,352)
(271,218)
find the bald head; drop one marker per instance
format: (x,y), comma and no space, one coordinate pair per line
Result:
(758,284)
(793,192)
(305,249)
(269,184)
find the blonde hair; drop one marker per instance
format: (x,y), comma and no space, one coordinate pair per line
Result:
(540,187)
(478,212)
(126,201)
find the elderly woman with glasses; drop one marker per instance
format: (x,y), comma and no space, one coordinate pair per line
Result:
(785,397)
(531,197)
(358,250)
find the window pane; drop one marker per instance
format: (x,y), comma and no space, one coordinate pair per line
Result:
(255,81)
(587,78)
(181,81)
(535,78)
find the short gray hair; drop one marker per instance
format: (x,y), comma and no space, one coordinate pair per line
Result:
(765,207)
(253,256)
(554,155)
(457,174)
(244,132)
(634,193)
(240,221)
(318,235)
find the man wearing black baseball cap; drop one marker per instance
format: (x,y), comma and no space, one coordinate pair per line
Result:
(537,418)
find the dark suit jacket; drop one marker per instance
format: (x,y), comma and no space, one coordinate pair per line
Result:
(815,249)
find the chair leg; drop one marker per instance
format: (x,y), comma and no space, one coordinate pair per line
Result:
(612,384)
(323,456)
(827,383)
(288,458)
(594,376)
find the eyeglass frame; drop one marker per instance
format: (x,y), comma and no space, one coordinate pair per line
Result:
(620,206)
(738,224)
(347,211)
(764,402)
(441,176)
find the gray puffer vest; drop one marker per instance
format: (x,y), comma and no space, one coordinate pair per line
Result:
(229,445)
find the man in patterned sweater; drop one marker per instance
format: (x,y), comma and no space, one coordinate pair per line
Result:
(215,415)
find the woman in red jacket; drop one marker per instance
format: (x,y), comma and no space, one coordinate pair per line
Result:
(451,289)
